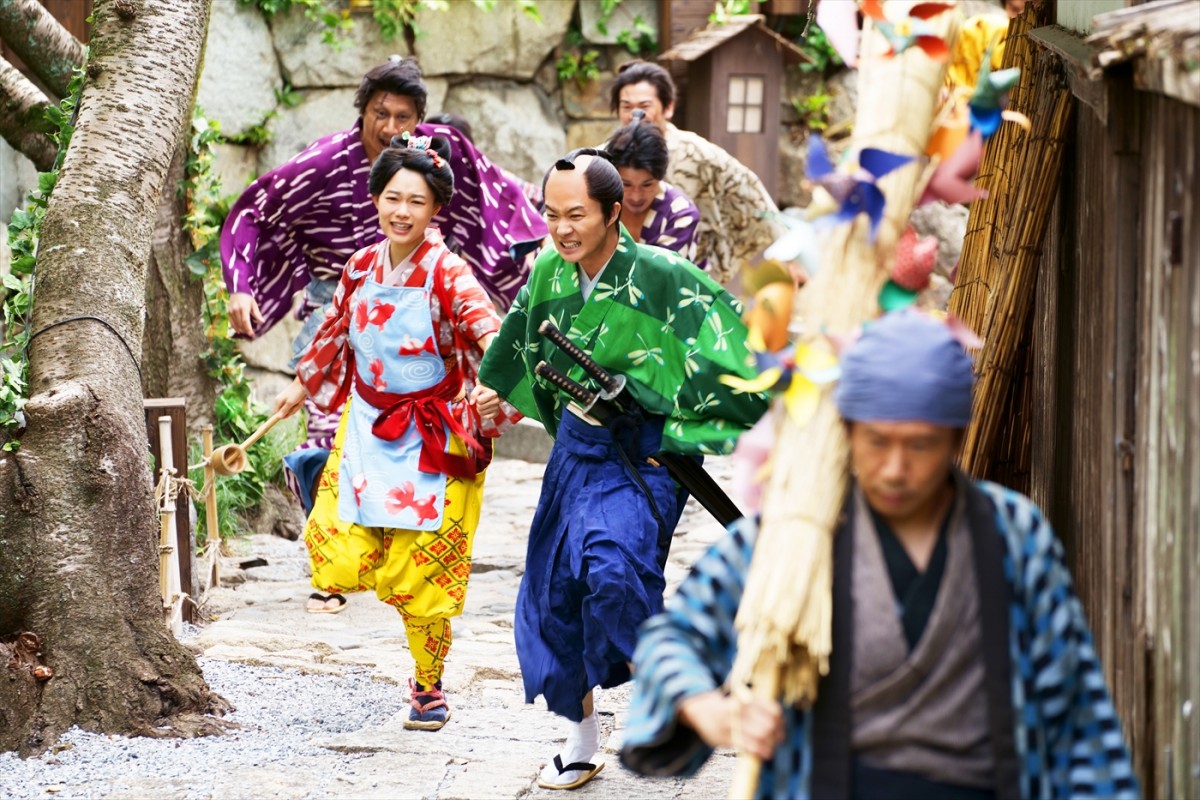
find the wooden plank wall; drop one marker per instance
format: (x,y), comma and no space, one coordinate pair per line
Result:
(1088,485)
(1115,413)
(1168,436)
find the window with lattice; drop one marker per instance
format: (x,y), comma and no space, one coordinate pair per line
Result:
(745,110)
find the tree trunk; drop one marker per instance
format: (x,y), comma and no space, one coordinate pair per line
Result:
(22,117)
(175,342)
(78,528)
(46,47)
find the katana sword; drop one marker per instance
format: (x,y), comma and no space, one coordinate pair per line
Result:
(606,405)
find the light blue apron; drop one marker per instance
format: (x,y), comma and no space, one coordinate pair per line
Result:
(379,483)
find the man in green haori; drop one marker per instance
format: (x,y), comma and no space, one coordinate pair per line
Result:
(599,538)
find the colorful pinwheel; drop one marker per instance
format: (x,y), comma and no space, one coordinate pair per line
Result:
(912,31)
(990,96)
(853,193)
(953,179)
(799,372)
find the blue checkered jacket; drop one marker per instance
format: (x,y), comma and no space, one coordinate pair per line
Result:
(1067,737)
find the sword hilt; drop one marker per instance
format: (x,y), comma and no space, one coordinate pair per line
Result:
(576,391)
(611,385)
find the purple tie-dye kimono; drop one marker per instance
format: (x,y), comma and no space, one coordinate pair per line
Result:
(303,220)
(671,223)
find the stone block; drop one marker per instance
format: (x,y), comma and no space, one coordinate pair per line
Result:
(383,776)
(320,113)
(494,777)
(621,19)
(503,42)
(273,349)
(309,62)
(589,101)
(527,440)
(19,176)
(241,72)
(236,166)
(793,155)
(948,222)
(842,88)
(590,133)
(514,124)
(547,76)
(436,89)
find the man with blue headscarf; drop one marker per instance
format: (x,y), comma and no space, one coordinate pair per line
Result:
(962,665)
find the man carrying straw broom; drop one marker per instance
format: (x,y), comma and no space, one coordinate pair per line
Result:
(962,666)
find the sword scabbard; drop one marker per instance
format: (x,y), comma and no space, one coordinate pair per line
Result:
(602,376)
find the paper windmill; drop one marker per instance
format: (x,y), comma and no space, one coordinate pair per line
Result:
(752,462)
(799,373)
(988,101)
(912,31)
(853,193)
(798,243)
(915,259)
(952,180)
(909,276)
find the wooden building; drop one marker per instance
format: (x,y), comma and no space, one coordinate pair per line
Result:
(734,72)
(1112,381)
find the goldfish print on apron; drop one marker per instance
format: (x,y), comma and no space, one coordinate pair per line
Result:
(395,351)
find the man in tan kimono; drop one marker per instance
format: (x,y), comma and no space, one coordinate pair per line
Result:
(736,212)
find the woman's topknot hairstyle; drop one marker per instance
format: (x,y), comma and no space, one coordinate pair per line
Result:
(430,157)
(640,145)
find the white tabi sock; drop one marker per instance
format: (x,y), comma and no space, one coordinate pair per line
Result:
(582,743)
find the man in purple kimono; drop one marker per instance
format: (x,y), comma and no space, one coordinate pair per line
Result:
(653,211)
(294,228)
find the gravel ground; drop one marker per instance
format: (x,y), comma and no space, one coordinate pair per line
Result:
(280,712)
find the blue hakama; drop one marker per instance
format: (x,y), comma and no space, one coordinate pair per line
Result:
(593,568)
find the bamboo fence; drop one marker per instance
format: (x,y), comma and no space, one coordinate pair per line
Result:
(784,623)
(997,271)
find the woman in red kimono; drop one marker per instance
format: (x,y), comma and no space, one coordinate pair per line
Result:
(398,503)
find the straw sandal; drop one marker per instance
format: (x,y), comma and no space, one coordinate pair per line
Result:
(429,711)
(587,772)
(324,600)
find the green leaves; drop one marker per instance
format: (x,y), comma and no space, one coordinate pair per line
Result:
(817,46)
(236,411)
(579,66)
(17,293)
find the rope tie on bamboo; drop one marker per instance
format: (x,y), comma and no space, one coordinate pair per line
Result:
(171,486)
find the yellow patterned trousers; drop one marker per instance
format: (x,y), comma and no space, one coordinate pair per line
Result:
(422,573)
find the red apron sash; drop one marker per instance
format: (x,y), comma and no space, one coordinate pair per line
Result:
(428,410)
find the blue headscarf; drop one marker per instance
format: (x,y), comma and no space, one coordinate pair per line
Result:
(906,367)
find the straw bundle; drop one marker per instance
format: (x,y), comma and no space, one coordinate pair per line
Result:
(997,271)
(784,623)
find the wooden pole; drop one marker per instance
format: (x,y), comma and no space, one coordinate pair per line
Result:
(212,537)
(168,559)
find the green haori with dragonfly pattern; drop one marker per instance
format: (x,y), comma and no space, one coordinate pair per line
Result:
(653,317)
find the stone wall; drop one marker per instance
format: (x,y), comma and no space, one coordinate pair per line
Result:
(496,69)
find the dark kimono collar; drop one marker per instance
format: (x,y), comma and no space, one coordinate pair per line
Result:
(830,735)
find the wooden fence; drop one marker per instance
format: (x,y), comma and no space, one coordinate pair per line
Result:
(1114,410)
